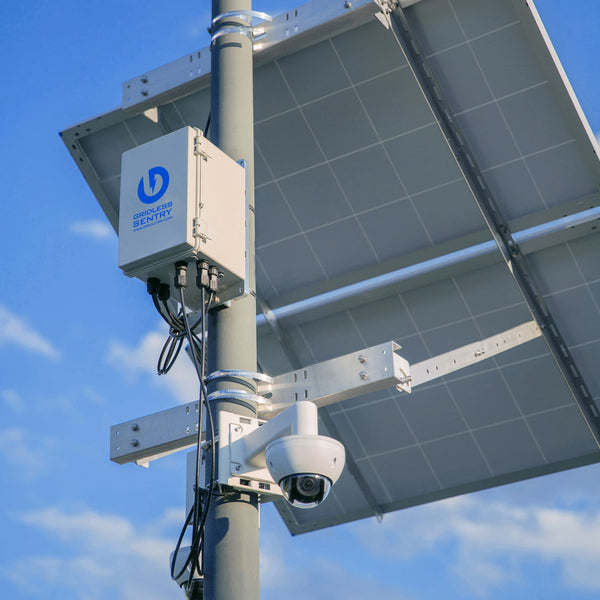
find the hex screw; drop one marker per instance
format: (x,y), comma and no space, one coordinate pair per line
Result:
(362,358)
(363,375)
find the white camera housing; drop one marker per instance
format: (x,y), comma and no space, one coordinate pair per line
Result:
(305,467)
(281,457)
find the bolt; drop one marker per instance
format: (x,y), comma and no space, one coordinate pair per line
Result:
(238,468)
(363,375)
(135,427)
(347,4)
(144,79)
(144,92)
(362,358)
(135,443)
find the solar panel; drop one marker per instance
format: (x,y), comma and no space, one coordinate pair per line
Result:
(357,176)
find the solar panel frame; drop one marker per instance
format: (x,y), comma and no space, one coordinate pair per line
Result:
(346,190)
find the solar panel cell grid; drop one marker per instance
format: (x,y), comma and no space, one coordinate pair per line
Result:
(355,177)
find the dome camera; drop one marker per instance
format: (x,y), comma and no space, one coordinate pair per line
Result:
(305,467)
(303,490)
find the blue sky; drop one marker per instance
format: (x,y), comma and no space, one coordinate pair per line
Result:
(78,344)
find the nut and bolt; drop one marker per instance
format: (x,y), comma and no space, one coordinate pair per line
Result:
(135,427)
(363,375)
(362,358)
(135,443)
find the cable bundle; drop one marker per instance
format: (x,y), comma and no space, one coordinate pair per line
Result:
(180,330)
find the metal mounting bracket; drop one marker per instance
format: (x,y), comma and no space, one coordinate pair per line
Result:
(148,438)
(338,379)
(233,468)
(468,355)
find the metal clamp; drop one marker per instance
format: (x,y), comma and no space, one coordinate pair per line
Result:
(238,395)
(247,30)
(245,15)
(226,373)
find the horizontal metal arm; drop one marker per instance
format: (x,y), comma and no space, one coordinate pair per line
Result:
(468,355)
(148,438)
(338,379)
(153,436)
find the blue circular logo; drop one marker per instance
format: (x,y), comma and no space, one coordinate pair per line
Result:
(156,192)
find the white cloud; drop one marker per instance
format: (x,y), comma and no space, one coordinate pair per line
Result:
(24,451)
(92,395)
(316,566)
(493,540)
(12,400)
(16,330)
(105,556)
(181,381)
(96,230)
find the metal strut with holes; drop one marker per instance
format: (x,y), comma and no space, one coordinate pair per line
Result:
(495,220)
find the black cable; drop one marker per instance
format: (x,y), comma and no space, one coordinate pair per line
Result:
(173,319)
(178,546)
(170,352)
(202,498)
(160,310)
(160,293)
(193,515)
(180,330)
(211,431)
(201,513)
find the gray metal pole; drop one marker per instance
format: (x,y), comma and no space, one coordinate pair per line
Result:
(231,533)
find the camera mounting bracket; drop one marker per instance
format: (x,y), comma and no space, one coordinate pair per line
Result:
(243,441)
(234,468)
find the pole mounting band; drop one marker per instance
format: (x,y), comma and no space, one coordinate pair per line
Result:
(227,373)
(237,395)
(244,15)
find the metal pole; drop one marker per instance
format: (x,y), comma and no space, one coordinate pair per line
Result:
(231,533)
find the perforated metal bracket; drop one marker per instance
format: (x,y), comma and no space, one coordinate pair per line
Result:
(148,438)
(338,379)
(468,355)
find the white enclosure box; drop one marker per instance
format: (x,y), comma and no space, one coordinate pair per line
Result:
(183,199)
